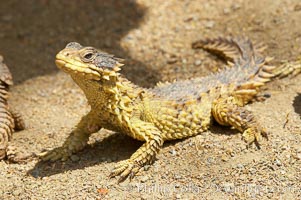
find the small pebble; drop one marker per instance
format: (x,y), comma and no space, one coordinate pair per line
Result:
(240,166)
(283,172)
(209,24)
(235,6)
(197,62)
(144,179)
(172,60)
(225,158)
(252,171)
(226,11)
(17,192)
(278,162)
(298,149)
(178,177)
(173,152)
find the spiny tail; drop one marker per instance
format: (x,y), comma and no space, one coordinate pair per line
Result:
(234,50)
(230,48)
(252,69)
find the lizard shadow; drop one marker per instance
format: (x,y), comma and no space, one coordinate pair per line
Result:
(113,148)
(297,104)
(218,129)
(33,32)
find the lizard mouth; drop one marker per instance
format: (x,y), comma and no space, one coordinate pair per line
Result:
(73,66)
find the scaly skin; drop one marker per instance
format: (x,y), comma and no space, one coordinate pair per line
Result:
(168,111)
(9,120)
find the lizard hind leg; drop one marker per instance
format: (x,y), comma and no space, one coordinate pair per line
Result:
(227,112)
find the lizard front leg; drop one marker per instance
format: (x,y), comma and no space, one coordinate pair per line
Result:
(76,141)
(144,155)
(227,112)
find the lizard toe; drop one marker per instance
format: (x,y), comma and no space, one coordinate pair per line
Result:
(124,169)
(254,135)
(55,154)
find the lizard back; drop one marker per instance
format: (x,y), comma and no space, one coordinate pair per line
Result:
(248,66)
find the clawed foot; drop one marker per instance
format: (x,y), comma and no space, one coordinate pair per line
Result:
(73,144)
(16,155)
(59,153)
(125,168)
(254,135)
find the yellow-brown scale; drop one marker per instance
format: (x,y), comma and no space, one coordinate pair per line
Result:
(177,121)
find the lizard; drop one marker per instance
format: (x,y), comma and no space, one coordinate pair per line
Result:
(168,111)
(10,121)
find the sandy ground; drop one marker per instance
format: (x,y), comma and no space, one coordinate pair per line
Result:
(155,38)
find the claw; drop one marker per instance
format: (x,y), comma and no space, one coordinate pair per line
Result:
(134,171)
(124,169)
(41,155)
(253,135)
(56,154)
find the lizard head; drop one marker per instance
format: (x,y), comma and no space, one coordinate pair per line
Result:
(88,62)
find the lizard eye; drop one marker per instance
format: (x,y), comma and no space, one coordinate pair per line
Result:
(88,55)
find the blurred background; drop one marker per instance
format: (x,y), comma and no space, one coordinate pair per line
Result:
(153,36)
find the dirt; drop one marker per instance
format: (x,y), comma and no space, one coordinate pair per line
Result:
(155,39)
